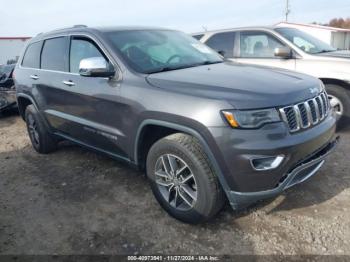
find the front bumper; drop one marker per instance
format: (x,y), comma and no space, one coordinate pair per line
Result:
(302,158)
(299,174)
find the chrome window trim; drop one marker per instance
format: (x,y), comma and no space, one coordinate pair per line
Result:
(89,36)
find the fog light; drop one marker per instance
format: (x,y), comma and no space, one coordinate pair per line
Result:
(266,163)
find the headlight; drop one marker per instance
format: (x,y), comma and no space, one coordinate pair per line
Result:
(251,118)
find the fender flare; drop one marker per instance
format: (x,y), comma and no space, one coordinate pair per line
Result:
(35,105)
(18,95)
(189,131)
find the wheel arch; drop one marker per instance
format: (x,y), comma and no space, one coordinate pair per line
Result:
(23,101)
(335,81)
(175,128)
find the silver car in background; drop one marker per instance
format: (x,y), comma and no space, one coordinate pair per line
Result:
(291,49)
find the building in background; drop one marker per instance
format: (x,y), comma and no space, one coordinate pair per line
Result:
(10,48)
(336,37)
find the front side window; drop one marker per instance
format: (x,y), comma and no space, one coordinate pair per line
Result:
(304,41)
(80,49)
(223,43)
(151,51)
(32,56)
(258,45)
(54,54)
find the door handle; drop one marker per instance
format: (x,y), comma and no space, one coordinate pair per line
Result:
(68,83)
(34,77)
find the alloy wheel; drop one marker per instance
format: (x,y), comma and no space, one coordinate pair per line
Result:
(337,105)
(176,182)
(33,130)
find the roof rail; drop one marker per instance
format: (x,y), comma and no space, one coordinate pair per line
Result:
(58,29)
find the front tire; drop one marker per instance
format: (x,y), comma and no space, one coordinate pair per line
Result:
(339,99)
(42,141)
(182,179)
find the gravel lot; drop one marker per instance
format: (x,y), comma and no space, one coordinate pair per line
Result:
(77,202)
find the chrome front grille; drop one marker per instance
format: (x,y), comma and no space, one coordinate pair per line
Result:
(306,114)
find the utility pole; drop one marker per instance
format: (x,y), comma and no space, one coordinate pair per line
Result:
(287,10)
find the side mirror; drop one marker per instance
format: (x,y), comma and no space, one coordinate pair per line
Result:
(283,52)
(96,67)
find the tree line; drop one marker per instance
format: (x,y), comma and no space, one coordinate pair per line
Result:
(337,22)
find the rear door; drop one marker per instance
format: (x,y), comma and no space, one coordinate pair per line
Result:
(49,89)
(257,47)
(28,78)
(222,43)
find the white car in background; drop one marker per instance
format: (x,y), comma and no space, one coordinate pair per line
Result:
(291,49)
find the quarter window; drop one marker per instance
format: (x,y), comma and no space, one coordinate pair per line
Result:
(258,45)
(32,55)
(81,49)
(53,56)
(223,43)
(198,37)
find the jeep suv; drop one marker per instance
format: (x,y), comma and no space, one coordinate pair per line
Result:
(291,49)
(204,130)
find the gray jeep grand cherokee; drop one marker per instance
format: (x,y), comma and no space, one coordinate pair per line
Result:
(205,130)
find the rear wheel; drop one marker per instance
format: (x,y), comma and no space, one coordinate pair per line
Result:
(182,179)
(43,142)
(339,99)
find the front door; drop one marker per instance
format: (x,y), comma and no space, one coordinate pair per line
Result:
(258,47)
(86,109)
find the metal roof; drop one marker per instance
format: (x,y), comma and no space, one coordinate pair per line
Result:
(337,29)
(280,24)
(235,29)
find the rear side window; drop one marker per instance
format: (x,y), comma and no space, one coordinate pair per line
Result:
(32,55)
(54,54)
(223,43)
(80,49)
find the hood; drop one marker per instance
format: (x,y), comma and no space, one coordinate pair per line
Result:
(337,54)
(244,86)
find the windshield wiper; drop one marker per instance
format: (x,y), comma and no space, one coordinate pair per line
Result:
(325,51)
(163,69)
(170,68)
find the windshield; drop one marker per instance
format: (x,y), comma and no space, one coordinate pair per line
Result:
(151,51)
(304,41)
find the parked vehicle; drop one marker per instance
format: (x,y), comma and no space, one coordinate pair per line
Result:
(291,49)
(7,88)
(202,129)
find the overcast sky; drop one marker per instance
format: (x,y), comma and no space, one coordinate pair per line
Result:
(29,17)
